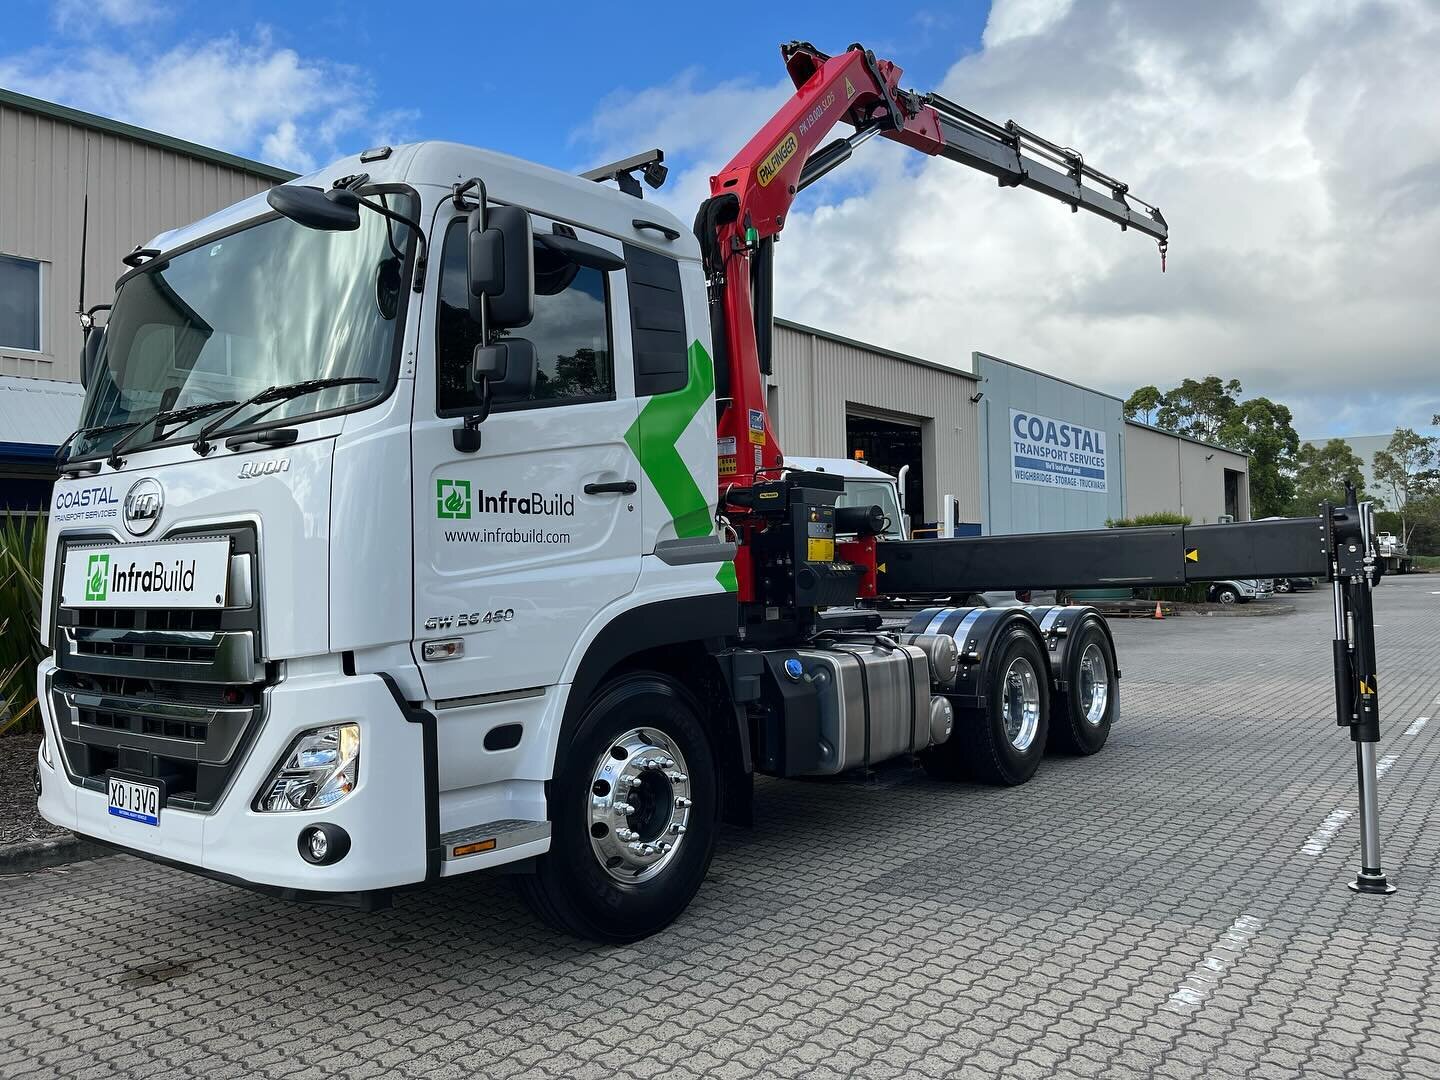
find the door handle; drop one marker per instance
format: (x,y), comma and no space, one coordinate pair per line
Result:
(617,487)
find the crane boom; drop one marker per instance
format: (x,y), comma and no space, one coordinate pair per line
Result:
(751,198)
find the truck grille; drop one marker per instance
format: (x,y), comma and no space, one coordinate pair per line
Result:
(172,695)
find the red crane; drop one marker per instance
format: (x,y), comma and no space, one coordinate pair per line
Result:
(751,197)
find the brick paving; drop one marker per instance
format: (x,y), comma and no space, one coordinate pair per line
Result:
(1148,912)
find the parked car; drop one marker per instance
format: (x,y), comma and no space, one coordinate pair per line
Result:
(1241,591)
(1293,584)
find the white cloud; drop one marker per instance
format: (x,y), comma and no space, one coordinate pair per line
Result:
(1293,146)
(251,97)
(88,14)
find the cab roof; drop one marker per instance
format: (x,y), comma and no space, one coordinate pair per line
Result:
(432,167)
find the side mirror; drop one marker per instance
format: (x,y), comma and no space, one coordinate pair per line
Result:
(509,366)
(337,210)
(90,354)
(500,265)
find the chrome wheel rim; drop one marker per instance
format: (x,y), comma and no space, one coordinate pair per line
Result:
(1094,683)
(1226,596)
(1020,703)
(639,805)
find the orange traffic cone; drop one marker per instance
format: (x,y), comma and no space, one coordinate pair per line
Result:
(1158,613)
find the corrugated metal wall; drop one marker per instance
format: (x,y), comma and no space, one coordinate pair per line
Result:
(136,191)
(1164,472)
(821,377)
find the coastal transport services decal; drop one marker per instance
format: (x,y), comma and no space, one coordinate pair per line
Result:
(485,516)
(1047,452)
(88,502)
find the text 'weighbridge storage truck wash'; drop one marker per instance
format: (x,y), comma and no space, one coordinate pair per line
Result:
(489,555)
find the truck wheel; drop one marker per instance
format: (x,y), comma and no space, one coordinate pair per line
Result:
(1085,710)
(1226,594)
(633,810)
(1004,742)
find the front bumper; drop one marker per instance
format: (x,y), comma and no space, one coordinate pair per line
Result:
(388,815)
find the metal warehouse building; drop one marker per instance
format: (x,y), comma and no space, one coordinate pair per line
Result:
(984,443)
(1017,449)
(140,183)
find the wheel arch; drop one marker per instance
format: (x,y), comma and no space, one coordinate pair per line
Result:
(679,637)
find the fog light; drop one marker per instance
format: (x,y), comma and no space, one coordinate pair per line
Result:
(320,768)
(323,844)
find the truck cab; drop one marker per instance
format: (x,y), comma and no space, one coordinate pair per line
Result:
(307,634)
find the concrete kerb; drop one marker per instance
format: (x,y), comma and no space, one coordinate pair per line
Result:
(42,854)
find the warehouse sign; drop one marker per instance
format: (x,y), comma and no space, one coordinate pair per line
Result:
(1056,453)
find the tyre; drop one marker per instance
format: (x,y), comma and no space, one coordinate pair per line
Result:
(1004,742)
(633,811)
(1227,594)
(1086,708)
(1282,585)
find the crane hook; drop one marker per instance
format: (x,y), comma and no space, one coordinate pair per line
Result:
(1164,247)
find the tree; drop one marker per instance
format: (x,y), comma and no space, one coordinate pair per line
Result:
(1199,409)
(1321,473)
(1144,402)
(1265,430)
(1406,470)
(1210,410)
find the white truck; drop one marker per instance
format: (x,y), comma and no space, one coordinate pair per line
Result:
(1394,553)
(426,519)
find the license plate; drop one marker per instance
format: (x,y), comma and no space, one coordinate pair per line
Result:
(134,801)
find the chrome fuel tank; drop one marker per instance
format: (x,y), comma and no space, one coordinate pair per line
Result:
(873,703)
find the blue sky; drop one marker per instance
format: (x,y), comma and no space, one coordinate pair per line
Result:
(520,78)
(1293,145)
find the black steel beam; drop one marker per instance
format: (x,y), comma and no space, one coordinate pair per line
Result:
(998,157)
(1105,558)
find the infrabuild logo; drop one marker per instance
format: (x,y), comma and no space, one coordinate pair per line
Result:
(452,500)
(97,578)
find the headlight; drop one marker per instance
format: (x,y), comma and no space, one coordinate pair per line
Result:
(318,770)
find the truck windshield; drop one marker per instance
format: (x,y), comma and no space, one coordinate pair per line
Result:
(270,304)
(876,493)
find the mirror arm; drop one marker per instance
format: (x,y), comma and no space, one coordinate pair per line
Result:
(422,259)
(458,192)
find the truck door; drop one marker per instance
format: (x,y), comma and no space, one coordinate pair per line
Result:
(519,545)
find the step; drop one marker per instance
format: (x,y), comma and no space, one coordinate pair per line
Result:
(492,836)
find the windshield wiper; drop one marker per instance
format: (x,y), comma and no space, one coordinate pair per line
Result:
(272,395)
(62,452)
(159,420)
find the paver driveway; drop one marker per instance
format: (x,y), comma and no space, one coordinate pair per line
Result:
(1173,907)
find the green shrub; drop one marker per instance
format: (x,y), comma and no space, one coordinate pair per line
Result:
(22,564)
(1140,521)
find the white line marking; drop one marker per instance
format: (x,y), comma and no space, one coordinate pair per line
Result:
(1335,820)
(1420,722)
(1197,986)
(1321,837)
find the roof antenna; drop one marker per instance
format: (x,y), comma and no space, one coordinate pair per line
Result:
(87,320)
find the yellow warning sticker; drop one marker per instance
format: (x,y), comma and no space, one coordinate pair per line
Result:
(727,464)
(1365,688)
(849,88)
(818,550)
(1192,554)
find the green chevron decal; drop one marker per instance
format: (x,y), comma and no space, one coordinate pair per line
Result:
(653,438)
(726,577)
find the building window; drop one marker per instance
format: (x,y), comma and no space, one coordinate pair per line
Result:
(570,331)
(19,303)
